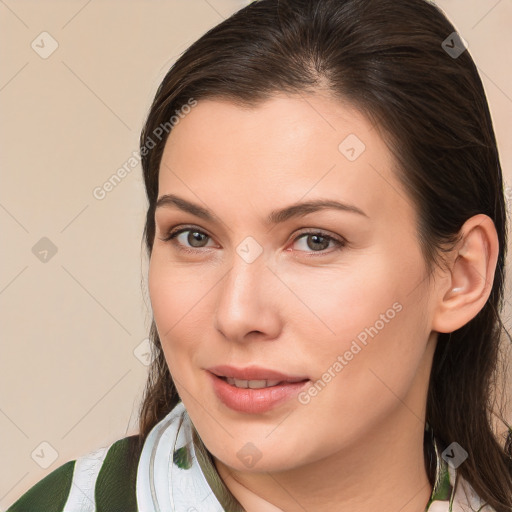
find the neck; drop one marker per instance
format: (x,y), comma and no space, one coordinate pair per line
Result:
(384,470)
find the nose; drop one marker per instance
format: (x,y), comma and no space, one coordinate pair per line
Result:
(248,302)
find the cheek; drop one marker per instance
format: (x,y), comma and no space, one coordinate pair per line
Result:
(333,306)
(177,300)
(373,326)
(174,292)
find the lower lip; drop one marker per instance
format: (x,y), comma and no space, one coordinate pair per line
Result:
(254,400)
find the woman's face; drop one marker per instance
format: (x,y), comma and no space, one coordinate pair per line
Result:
(336,298)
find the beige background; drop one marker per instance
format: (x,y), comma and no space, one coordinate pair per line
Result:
(73,327)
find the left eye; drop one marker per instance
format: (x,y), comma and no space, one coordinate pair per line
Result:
(315,241)
(318,241)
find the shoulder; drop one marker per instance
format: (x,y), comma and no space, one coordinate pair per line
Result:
(104,479)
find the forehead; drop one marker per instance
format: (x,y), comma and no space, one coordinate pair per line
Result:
(284,149)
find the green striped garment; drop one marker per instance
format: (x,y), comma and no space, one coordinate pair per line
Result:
(175,473)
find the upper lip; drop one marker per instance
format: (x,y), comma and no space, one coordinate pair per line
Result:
(253,373)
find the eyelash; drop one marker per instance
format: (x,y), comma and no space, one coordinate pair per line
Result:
(173,233)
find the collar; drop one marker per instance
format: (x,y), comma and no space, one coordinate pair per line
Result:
(176,472)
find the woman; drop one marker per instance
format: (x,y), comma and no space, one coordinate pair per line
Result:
(327,234)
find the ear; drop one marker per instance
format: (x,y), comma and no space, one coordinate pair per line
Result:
(468,282)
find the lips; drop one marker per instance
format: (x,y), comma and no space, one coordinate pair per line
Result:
(254,373)
(253,389)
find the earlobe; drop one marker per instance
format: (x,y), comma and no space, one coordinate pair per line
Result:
(468,286)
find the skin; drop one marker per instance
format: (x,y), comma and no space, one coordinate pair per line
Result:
(358,444)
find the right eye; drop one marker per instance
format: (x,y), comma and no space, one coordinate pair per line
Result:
(194,238)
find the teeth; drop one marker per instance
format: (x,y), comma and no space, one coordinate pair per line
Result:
(252,384)
(257,384)
(241,383)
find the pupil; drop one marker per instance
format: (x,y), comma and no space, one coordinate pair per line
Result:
(316,238)
(195,237)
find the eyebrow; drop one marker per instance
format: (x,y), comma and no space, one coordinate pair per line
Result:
(275,217)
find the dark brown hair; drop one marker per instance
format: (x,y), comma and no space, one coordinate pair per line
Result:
(387,58)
